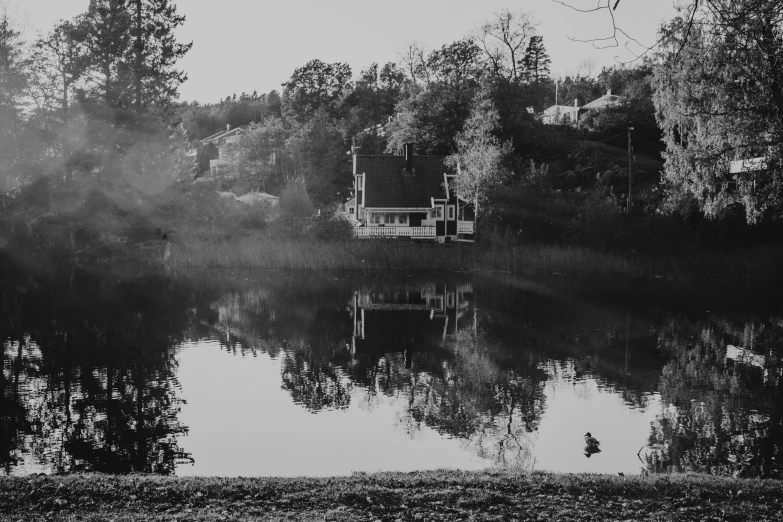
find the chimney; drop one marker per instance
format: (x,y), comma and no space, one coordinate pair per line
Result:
(228,126)
(408,147)
(576,102)
(608,92)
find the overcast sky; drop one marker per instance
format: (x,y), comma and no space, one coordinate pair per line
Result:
(254,45)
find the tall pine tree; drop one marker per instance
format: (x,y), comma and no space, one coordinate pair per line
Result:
(14,74)
(134,51)
(536,60)
(156,52)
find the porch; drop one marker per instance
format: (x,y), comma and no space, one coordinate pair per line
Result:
(426,232)
(463,227)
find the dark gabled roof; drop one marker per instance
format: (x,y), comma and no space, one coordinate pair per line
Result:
(388,184)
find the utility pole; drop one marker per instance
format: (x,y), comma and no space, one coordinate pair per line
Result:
(630,174)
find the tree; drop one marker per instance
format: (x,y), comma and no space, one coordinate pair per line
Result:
(105,30)
(60,61)
(414,62)
(479,152)
(133,51)
(294,201)
(317,149)
(719,98)
(14,76)
(536,60)
(156,52)
(313,86)
(502,40)
(433,112)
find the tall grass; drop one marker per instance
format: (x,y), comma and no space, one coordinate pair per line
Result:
(263,252)
(260,251)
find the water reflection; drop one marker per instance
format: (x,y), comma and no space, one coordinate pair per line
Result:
(472,371)
(89,372)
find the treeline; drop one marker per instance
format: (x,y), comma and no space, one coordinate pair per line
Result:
(93,101)
(323,110)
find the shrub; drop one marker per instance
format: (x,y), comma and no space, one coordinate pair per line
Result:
(332,229)
(295,203)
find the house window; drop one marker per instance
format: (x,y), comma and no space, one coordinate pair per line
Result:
(375,218)
(388,219)
(439,212)
(350,210)
(451,212)
(359,182)
(402,219)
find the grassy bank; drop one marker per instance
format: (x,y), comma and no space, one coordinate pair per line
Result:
(437,495)
(262,252)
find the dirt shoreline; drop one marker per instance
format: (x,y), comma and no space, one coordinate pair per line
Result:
(433,495)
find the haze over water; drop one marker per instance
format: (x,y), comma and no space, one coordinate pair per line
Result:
(238,374)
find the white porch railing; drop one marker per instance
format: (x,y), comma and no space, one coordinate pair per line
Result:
(464,227)
(395,231)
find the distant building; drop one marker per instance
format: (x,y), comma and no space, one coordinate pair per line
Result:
(570,114)
(224,163)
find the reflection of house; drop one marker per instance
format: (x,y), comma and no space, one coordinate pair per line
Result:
(408,196)
(743,356)
(748,165)
(408,320)
(566,114)
(224,162)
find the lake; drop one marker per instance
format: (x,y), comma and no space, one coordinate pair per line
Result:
(273,374)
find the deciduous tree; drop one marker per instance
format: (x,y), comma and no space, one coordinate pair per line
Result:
(719,98)
(313,86)
(479,152)
(503,39)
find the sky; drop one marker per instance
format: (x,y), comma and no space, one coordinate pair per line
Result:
(255,45)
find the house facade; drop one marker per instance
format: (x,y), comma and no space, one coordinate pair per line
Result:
(407,196)
(225,163)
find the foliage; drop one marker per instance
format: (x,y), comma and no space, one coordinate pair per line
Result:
(536,60)
(14,76)
(197,121)
(317,155)
(332,229)
(718,98)
(316,85)
(295,202)
(502,41)
(479,153)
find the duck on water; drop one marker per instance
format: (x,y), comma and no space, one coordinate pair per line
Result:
(591,445)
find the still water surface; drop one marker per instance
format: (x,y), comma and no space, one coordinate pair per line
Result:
(237,374)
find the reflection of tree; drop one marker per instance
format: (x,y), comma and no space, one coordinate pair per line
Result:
(302,321)
(15,421)
(490,402)
(724,417)
(313,379)
(98,371)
